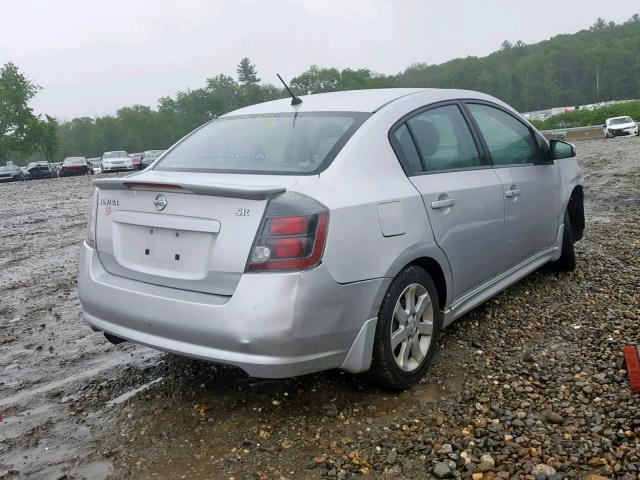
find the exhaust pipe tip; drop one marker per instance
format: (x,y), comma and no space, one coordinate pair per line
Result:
(113,339)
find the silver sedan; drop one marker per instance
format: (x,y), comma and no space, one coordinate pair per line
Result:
(343,231)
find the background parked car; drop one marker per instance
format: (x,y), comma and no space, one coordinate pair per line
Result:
(40,170)
(95,164)
(115,161)
(149,157)
(56,167)
(11,173)
(75,166)
(620,126)
(136,158)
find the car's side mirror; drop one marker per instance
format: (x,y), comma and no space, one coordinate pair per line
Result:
(560,149)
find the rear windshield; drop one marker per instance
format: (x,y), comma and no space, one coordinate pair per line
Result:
(74,160)
(620,121)
(8,168)
(153,153)
(114,154)
(303,143)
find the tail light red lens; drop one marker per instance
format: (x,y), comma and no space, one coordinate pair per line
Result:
(288,225)
(291,242)
(287,247)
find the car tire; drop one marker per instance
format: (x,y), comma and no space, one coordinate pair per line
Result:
(398,364)
(567,260)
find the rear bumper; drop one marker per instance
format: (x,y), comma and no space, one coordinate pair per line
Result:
(73,172)
(275,325)
(117,168)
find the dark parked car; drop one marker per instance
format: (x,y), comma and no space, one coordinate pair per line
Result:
(11,173)
(75,166)
(148,157)
(37,170)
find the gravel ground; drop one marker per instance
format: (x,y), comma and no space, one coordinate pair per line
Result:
(529,385)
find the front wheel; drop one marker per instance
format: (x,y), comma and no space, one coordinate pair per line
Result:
(409,323)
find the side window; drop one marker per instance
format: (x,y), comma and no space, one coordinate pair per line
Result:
(411,156)
(444,139)
(509,141)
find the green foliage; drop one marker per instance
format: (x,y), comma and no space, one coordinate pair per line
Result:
(247,73)
(19,127)
(48,139)
(319,80)
(560,71)
(584,118)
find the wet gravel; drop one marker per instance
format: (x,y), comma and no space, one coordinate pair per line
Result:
(530,385)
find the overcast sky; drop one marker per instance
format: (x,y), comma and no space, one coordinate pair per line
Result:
(92,57)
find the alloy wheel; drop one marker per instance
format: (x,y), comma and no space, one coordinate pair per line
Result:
(412,327)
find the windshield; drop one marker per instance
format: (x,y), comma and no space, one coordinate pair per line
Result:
(620,121)
(114,154)
(8,168)
(74,160)
(270,144)
(153,153)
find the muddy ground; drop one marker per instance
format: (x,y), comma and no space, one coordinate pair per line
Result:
(529,385)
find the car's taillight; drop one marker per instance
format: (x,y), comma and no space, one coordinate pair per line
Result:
(292,234)
(91,224)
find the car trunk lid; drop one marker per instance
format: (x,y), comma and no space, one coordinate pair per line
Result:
(184,232)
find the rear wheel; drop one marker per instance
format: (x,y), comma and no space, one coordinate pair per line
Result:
(567,260)
(409,323)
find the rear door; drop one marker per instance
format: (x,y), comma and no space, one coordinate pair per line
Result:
(530,183)
(461,193)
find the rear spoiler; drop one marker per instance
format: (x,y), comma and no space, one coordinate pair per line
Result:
(249,192)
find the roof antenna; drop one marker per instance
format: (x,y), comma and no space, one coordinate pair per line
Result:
(294,100)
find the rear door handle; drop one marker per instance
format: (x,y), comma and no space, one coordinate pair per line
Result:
(512,193)
(449,202)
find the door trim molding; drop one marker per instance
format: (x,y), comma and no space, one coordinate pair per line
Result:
(495,285)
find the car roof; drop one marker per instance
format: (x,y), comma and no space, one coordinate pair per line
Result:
(356,100)
(616,118)
(344,101)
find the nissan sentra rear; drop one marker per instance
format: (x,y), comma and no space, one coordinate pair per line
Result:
(216,252)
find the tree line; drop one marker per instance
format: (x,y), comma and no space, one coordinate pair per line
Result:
(597,64)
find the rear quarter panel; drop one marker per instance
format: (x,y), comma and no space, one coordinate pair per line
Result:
(365,175)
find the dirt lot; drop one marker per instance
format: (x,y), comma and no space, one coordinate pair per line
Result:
(528,384)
